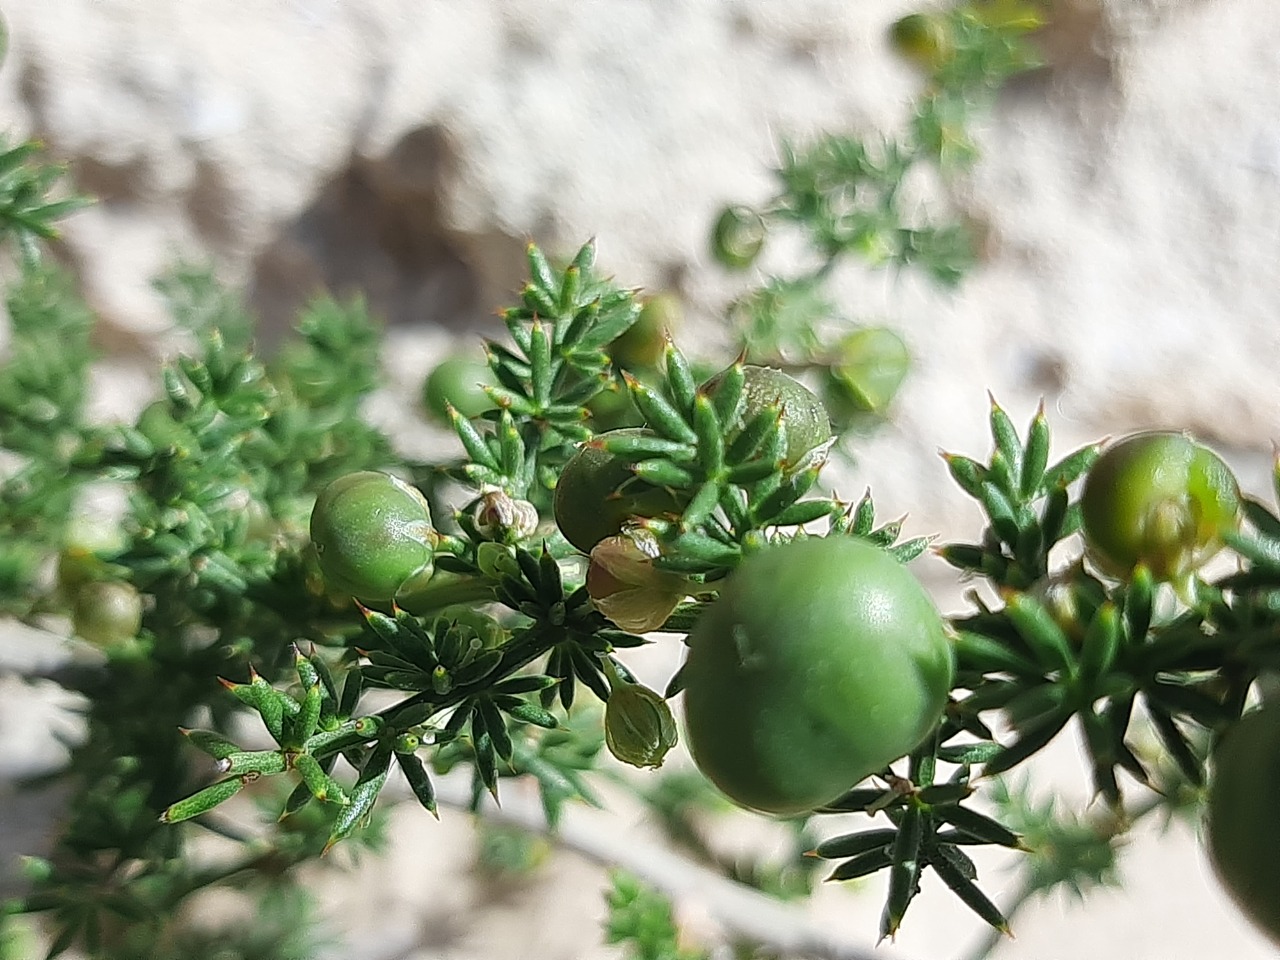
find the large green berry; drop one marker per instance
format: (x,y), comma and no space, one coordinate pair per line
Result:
(821,662)
(1244,816)
(372,532)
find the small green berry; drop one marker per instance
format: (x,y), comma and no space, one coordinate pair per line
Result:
(458,382)
(644,343)
(1159,499)
(107,612)
(868,368)
(738,237)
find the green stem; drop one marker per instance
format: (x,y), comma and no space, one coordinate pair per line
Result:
(445,590)
(683,618)
(208,878)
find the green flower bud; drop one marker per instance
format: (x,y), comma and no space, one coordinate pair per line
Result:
(639,728)
(627,588)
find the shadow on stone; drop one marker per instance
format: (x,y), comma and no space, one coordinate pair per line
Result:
(375,229)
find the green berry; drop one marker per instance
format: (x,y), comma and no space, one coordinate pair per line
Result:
(372,532)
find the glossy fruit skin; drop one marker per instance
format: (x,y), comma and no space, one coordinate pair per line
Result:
(372,532)
(1160,499)
(459,381)
(107,612)
(1243,825)
(804,418)
(588,507)
(821,662)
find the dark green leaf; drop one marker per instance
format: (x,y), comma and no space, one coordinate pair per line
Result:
(419,782)
(1034,739)
(1175,741)
(977,825)
(854,844)
(1035,624)
(863,865)
(904,871)
(968,892)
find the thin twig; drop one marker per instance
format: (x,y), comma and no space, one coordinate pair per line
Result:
(742,912)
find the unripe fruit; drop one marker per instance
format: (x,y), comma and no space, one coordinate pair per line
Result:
(869,367)
(821,662)
(738,237)
(1243,834)
(1160,499)
(923,39)
(613,409)
(107,612)
(804,418)
(372,532)
(458,381)
(645,342)
(597,494)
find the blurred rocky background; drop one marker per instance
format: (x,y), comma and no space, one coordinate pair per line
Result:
(1128,196)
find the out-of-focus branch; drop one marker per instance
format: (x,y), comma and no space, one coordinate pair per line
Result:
(741,912)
